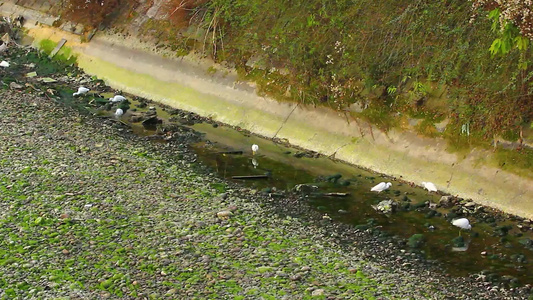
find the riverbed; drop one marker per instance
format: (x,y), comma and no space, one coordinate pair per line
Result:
(94,208)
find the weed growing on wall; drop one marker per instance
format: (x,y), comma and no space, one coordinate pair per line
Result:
(395,59)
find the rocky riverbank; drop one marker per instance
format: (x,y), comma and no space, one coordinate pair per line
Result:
(91,211)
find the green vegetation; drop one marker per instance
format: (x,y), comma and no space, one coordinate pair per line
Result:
(520,162)
(394,59)
(47,46)
(397,54)
(64,55)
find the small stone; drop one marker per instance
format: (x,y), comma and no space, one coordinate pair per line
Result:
(65,251)
(317,292)
(305,189)
(296,277)
(484,253)
(224,215)
(281,274)
(442,125)
(446,201)
(15,86)
(172,291)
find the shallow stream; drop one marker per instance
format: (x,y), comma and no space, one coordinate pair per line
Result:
(498,247)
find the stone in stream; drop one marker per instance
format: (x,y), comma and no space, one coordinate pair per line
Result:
(527,243)
(458,241)
(416,241)
(135,118)
(503,230)
(305,189)
(446,201)
(151,121)
(333,178)
(385,206)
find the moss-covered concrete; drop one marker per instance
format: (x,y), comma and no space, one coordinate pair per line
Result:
(134,67)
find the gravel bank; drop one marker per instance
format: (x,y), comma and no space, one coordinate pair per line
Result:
(90,211)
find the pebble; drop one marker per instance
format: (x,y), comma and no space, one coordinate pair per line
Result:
(225,214)
(295,277)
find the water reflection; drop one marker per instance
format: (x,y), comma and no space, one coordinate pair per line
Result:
(412,209)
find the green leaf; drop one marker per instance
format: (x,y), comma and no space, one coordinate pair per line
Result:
(494,15)
(495,47)
(521,43)
(505,46)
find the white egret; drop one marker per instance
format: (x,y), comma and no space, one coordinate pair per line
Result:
(429,186)
(380,187)
(255,148)
(119,112)
(4,64)
(117,98)
(81,90)
(462,223)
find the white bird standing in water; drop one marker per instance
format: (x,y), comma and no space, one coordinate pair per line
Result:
(119,112)
(81,90)
(462,223)
(380,187)
(255,148)
(117,98)
(429,186)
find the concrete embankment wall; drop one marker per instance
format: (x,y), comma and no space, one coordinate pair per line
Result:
(138,68)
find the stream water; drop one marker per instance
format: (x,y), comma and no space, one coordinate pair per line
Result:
(498,246)
(504,253)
